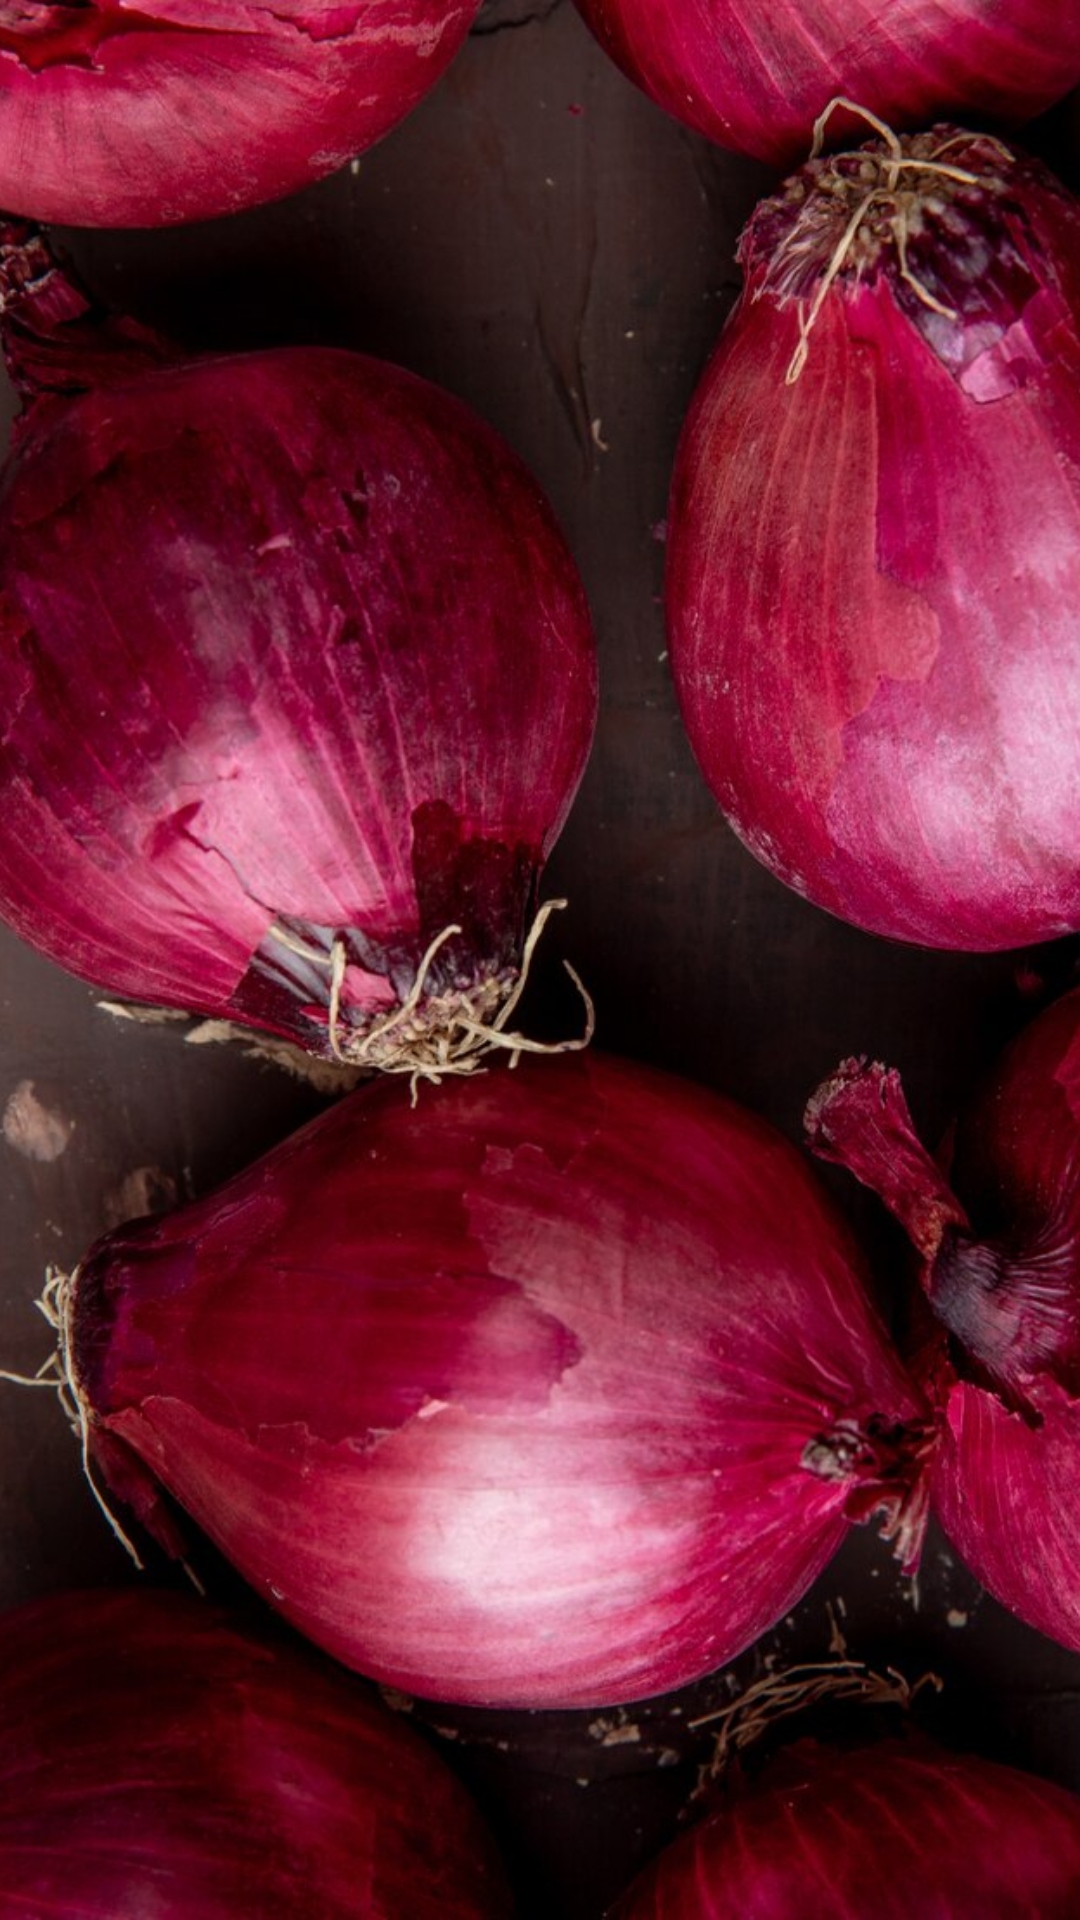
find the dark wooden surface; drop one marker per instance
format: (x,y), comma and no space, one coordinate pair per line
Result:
(547,245)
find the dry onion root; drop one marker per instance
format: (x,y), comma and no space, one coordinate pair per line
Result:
(426,1037)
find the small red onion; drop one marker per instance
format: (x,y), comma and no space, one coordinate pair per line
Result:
(900,1830)
(556,1392)
(160,1761)
(123,115)
(297,675)
(999,1244)
(874,563)
(755,74)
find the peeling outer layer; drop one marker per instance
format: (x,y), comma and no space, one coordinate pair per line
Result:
(874,555)
(118,115)
(966,1838)
(159,1757)
(999,1246)
(513,1401)
(755,74)
(298,681)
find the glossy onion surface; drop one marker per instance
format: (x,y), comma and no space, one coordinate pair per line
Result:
(874,578)
(755,74)
(557,1389)
(161,1761)
(121,115)
(900,1831)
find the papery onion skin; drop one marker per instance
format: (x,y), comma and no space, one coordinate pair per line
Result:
(160,1759)
(173,110)
(999,1241)
(290,649)
(557,1391)
(874,563)
(897,1830)
(755,74)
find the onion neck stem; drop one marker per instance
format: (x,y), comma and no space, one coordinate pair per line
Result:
(56,338)
(859,1119)
(1009,1303)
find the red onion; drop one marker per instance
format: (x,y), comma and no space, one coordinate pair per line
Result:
(298,675)
(755,74)
(556,1392)
(1000,1265)
(120,115)
(157,1760)
(874,566)
(895,1830)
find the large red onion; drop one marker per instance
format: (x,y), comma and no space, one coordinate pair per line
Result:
(874,580)
(122,115)
(999,1243)
(556,1392)
(900,1830)
(755,74)
(159,1761)
(297,674)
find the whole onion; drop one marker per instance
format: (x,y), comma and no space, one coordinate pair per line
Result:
(125,115)
(874,566)
(755,74)
(556,1392)
(999,1246)
(298,682)
(898,1830)
(158,1760)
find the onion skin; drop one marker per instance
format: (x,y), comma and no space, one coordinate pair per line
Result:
(130,116)
(895,1830)
(755,74)
(159,1760)
(874,567)
(557,1392)
(291,648)
(999,1247)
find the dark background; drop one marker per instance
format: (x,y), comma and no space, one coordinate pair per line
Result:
(545,243)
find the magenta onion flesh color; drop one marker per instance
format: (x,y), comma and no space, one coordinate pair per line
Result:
(160,1760)
(900,1830)
(998,1234)
(119,115)
(756,74)
(557,1391)
(874,567)
(297,673)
